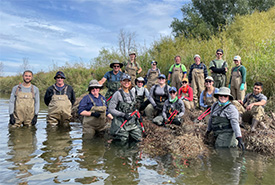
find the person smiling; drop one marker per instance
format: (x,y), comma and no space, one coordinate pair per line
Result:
(223,121)
(94,109)
(121,106)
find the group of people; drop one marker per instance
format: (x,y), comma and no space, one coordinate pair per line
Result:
(129,97)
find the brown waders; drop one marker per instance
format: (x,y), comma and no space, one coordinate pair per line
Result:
(188,104)
(24,107)
(131,70)
(152,79)
(177,76)
(92,124)
(59,109)
(219,79)
(197,84)
(236,82)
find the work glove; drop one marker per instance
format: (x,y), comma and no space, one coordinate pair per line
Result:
(12,119)
(229,86)
(95,114)
(127,116)
(34,120)
(242,87)
(240,143)
(166,120)
(168,82)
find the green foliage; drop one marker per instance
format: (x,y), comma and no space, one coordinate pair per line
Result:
(203,18)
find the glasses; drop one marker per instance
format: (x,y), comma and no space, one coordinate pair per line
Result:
(139,82)
(219,53)
(59,77)
(223,96)
(235,60)
(94,88)
(154,64)
(116,66)
(208,81)
(184,82)
(161,78)
(172,92)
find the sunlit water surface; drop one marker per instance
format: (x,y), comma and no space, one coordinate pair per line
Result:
(53,156)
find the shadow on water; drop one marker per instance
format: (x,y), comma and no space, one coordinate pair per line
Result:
(43,155)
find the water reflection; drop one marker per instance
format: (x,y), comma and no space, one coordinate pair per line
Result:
(57,148)
(22,142)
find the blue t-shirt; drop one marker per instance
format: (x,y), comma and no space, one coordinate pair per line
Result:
(86,103)
(110,76)
(207,95)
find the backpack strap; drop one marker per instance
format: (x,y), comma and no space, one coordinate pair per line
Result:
(123,96)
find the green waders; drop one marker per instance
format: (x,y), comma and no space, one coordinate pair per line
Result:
(177,76)
(24,107)
(139,99)
(131,70)
(152,79)
(188,104)
(236,82)
(112,86)
(223,132)
(132,127)
(197,84)
(92,124)
(59,109)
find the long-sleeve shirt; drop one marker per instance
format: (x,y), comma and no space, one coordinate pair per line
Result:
(168,104)
(86,103)
(26,90)
(50,92)
(231,113)
(208,96)
(242,70)
(116,99)
(195,66)
(158,91)
(188,90)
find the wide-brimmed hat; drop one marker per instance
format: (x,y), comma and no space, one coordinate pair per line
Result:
(141,79)
(60,73)
(116,62)
(94,83)
(224,91)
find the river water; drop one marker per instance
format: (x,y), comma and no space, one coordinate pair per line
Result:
(42,156)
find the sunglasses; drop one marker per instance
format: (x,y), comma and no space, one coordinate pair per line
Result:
(161,78)
(184,82)
(235,60)
(172,92)
(154,64)
(94,88)
(223,96)
(59,77)
(139,81)
(208,81)
(116,66)
(219,53)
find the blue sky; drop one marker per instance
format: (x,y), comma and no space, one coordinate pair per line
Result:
(53,32)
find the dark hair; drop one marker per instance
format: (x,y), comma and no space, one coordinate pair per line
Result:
(27,71)
(176,57)
(258,84)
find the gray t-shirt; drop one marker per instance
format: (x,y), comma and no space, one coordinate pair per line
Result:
(141,91)
(159,91)
(259,97)
(167,103)
(116,99)
(231,113)
(26,90)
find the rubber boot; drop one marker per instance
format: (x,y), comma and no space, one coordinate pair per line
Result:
(254,125)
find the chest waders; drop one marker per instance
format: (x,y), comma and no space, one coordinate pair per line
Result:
(139,99)
(236,82)
(209,100)
(223,131)
(112,86)
(197,83)
(160,99)
(92,124)
(132,127)
(257,112)
(219,78)
(152,78)
(24,107)
(177,75)
(170,109)
(59,109)
(188,104)
(131,69)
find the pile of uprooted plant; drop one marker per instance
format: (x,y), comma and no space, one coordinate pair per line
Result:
(188,141)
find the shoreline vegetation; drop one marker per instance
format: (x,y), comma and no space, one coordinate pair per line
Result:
(250,36)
